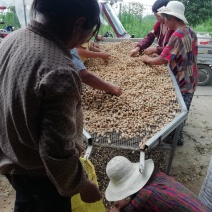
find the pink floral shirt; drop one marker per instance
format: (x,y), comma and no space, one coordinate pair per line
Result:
(163,193)
(181,53)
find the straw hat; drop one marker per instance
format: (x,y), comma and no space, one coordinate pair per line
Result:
(174,8)
(125,178)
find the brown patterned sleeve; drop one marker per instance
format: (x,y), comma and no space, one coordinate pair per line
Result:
(61,130)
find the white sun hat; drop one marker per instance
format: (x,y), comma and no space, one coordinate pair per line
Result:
(174,8)
(125,178)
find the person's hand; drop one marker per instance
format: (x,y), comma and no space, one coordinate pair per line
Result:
(115,90)
(121,203)
(80,149)
(95,45)
(90,193)
(104,55)
(99,37)
(135,51)
(145,58)
(150,50)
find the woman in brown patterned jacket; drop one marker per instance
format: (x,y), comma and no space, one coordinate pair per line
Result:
(40,107)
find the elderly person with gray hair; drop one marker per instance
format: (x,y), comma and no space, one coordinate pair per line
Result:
(150,191)
(180,52)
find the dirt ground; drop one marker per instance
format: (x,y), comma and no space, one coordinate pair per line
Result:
(191,160)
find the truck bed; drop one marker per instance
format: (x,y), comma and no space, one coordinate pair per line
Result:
(204,54)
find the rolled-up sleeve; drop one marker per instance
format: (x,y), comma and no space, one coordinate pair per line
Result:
(149,39)
(61,130)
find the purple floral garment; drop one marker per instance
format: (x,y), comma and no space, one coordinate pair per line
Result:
(163,193)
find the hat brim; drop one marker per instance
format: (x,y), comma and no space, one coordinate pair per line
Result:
(181,17)
(115,192)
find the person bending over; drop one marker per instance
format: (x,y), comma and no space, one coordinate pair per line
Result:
(150,191)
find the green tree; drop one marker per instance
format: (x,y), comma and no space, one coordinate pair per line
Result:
(14,18)
(197,11)
(204,27)
(130,15)
(133,8)
(132,20)
(10,18)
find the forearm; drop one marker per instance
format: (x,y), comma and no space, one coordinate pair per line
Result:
(94,81)
(155,61)
(94,48)
(146,42)
(60,133)
(66,174)
(87,53)
(61,126)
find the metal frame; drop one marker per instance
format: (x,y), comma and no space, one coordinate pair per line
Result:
(176,124)
(114,21)
(178,120)
(204,54)
(88,139)
(155,141)
(120,39)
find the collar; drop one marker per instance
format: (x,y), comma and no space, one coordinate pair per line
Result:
(43,31)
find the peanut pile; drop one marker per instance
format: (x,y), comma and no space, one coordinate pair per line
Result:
(148,100)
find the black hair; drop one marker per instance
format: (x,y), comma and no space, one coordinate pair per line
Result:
(64,13)
(158,4)
(167,16)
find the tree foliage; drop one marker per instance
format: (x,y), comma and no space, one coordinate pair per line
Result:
(197,11)
(205,26)
(133,8)
(130,15)
(10,18)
